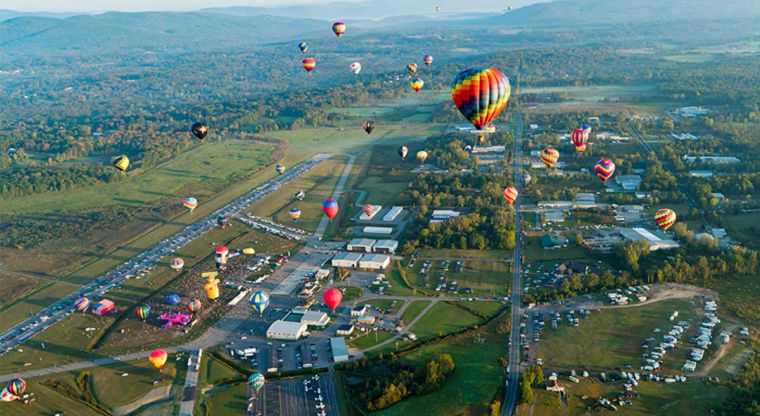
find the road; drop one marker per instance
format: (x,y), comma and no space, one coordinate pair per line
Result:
(98,287)
(187,402)
(513,370)
(336,195)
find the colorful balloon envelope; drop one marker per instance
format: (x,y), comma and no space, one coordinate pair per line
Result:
(6,396)
(368,210)
(549,156)
(173,299)
(330,208)
(604,169)
(177,264)
(259,301)
(190,203)
(332,298)
(579,138)
(411,69)
(422,156)
(142,312)
(200,130)
(309,64)
(480,94)
(417,84)
(294,213)
(81,304)
(194,305)
(427,60)
(158,358)
(303,47)
(402,151)
(368,126)
(280,169)
(256,380)
(586,128)
(665,218)
(212,290)
(356,67)
(510,194)
(17,386)
(339,28)
(300,195)
(121,163)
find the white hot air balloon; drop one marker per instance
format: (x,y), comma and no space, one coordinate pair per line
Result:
(356,68)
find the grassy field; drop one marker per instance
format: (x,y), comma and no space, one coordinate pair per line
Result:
(457,254)
(609,339)
(595,93)
(228,401)
(384,304)
(369,339)
(213,371)
(533,251)
(19,309)
(351,293)
(483,307)
(739,226)
(484,278)
(414,309)
(441,319)
(398,287)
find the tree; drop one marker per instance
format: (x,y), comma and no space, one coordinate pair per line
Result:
(526,392)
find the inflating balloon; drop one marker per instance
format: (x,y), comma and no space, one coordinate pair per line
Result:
(194,305)
(81,304)
(256,380)
(17,386)
(142,312)
(177,264)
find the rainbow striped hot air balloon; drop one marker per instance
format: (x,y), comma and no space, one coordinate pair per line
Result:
(417,84)
(427,60)
(549,156)
(411,69)
(81,304)
(194,305)
(665,218)
(368,210)
(259,301)
(510,194)
(339,28)
(604,169)
(309,64)
(295,213)
(17,386)
(190,203)
(142,312)
(480,94)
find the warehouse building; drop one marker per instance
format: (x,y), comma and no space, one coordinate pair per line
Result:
(375,209)
(374,261)
(378,230)
(385,246)
(285,330)
(344,259)
(339,349)
(315,319)
(360,245)
(393,213)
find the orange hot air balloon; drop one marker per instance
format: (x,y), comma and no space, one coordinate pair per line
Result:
(510,194)
(158,358)
(309,64)
(549,156)
(411,69)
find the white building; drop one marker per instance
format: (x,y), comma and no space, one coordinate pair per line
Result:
(385,246)
(375,210)
(285,330)
(444,214)
(715,159)
(339,349)
(701,173)
(585,200)
(361,245)
(345,330)
(393,213)
(374,261)
(344,259)
(655,242)
(488,149)
(377,230)
(360,310)
(315,319)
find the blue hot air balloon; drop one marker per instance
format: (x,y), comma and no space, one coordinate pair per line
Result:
(259,301)
(173,299)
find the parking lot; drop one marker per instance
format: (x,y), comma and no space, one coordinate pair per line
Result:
(306,396)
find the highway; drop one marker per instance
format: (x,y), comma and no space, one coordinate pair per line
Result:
(98,287)
(513,370)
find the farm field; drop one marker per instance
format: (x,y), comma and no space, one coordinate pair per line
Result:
(743,227)
(533,251)
(441,319)
(414,309)
(369,339)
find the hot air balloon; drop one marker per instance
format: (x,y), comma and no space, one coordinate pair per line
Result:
(309,64)
(303,47)
(369,126)
(200,130)
(142,312)
(17,386)
(427,60)
(6,396)
(422,156)
(332,298)
(480,94)
(190,203)
(280,169)
(220,256)
(586,128)
(212,288)
(402,151)
(665,218)
(604,169)
(158,358)
(526,178)
(121,163)
(300,195)
(173,300)
(194,305)
(356,67)
(259,301)
(579,137)
(411,69)
(549,156)
(295,213)
(330,208)
(249,251)
(339,28)
(368,210)
(437,9)
(417,84)
(81,304)
(221,222)
(510,194)
(256,380)
(177,264)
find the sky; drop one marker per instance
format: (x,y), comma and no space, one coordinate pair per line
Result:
(95,6)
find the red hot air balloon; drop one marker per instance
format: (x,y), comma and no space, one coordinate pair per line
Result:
(579,138)
(309,64)
(330,208)
(510,194)
(332,298)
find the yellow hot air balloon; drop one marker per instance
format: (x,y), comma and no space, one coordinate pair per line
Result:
(158,358)
(121,163)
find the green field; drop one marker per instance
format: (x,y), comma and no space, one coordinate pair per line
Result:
(739,226)
(18,310)
(441,319)
(610,338)
(213,372)
(484,278)
(383,304)
(369,339)
(351,293)
(483,307)
(229,400)
(533,251)
(398,287)
(413,310)
(458,254)
(592,94)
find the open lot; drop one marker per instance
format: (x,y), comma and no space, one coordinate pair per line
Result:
(441,319)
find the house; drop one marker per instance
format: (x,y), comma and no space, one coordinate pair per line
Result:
(714,159)
(345,330)
(571,267)
(585,200)
(701,173)
(315,319)
(359,310)
(366,320)
(444,214)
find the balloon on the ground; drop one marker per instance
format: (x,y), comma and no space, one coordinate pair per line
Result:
(510,194)
(295,213)
(549,156)
(411,69)
(368,126)
(177,264)
(194,305)
(368,210)
(190,203)
(402,151)
(330,208)
(249,251)
(259,301)
(81,304)
(17,386)
(417,84)
(200,130)
(256,380)
(427,60)
(142,312)
(309,64)
(212,288)
(300,195)
(339,28)
(480,94)
(6,396)
(604,169)
(422,156)
(279,168)
(356,67)
(121,163)
(665,218)
(303,47)
(173,300)
(332,298)
(158,358)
